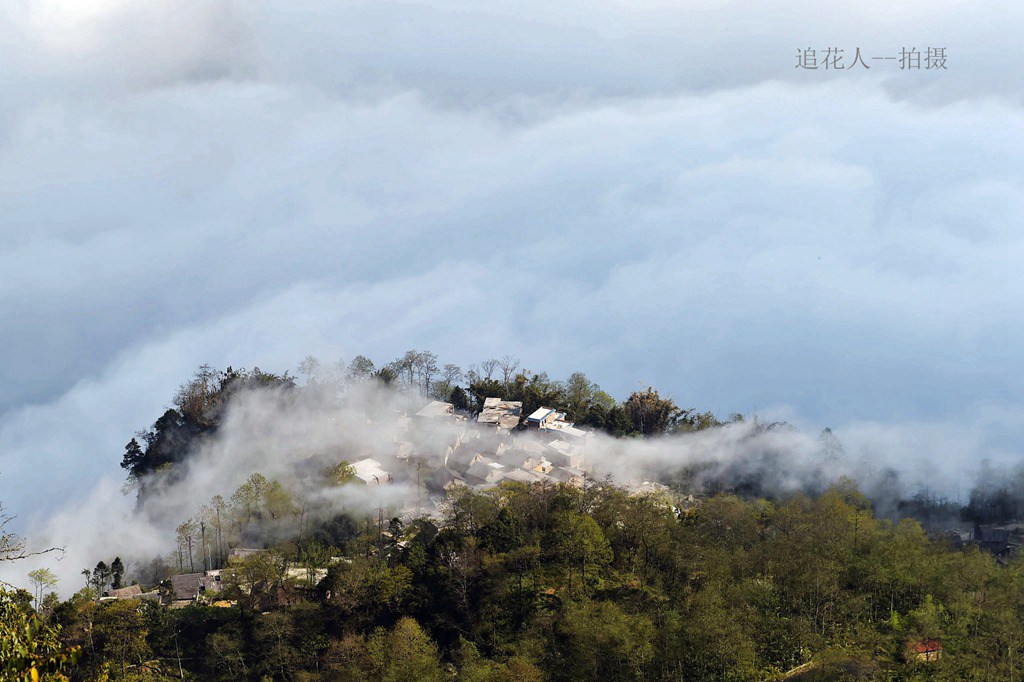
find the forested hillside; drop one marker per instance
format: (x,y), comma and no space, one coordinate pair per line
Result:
(703,578)
(567,584)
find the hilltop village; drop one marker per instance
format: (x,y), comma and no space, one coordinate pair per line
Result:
(438,448)
(386,534)
(423,457)
(501,445)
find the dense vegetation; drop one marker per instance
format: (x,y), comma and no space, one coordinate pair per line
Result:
(549,582)
(997,495)
(563,584)
(200,403)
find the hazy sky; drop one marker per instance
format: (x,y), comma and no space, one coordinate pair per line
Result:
(644,190)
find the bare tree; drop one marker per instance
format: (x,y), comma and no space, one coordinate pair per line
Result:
(426,364)
(488,367)
(195,397)
(361,366)
(218,505)
(207,519)
(12,545)
(310,366)
(339,370)
(405,367)
(186,535)
(451,374)
(509,365)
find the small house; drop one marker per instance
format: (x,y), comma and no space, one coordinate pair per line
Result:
(569,475)
(447,479)
(504,415)
(485,471)
(130,592)
(549,419)
(926,650)
(437,410)
(369,471)
(189,586)
(564,454)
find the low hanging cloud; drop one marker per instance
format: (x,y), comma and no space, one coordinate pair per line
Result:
(294,437)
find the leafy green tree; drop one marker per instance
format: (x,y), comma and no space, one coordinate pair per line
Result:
(120,634)
(580,395)
(691,420)
(252,579)
(484,388)
(42,579)
(277,501)
(273,638)
(367,591)
(443,388)
(341,473)
(617,422)
(133,457)
(649,413)
(347,658)
(599,641)
(578,542)
(472,667)
(116,573)
(404,654)
(709,642)
(313,556)
(226,652)
(458,398)
(101,576)
(30,650)
(385,376)
(248,496)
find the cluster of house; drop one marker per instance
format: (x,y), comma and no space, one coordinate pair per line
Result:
(448,450)
(188,588)
(1003,541)
(433,451)
(180,590)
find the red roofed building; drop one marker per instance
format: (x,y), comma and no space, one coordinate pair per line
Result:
(926,649)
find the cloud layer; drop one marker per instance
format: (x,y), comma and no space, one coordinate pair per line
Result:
(650,194)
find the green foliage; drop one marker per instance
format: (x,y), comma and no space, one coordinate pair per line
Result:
(650,414)
(601,641)
(561,583)
(405,653)
(340,474)
(42,579)
(360,367)
(459,399)
(30,649)
(198,408)
(547,582)
(119,636)
(577,542)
